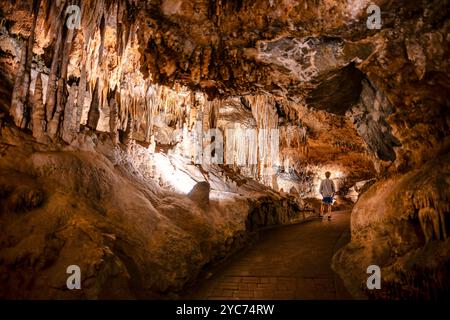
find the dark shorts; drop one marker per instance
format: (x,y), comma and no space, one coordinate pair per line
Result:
(327,200)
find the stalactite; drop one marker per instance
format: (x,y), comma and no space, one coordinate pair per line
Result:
(29,59)
(171,105)
(431,222)
(17,106)
(54,11)
(148,114)
(53,77)
(69,122)
(138,113)
(53,125)
(128,134)
(66,52)
(102,40)
(118,29)
(264,112)
(81,93)
(195,66)
(113,118)
(38,112)
(148,127)
(123,108)
(205,62)
(205,115)
(213,111)
(121,29)
(94,111)
(63,61)
(432,206)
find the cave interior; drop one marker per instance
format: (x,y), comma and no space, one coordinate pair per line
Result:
(146,142)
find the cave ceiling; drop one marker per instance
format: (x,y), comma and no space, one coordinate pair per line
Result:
(317,54)
(226,48)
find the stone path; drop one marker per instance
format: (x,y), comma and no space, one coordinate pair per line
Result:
(289,262)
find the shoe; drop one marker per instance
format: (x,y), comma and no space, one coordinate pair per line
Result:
(329,217)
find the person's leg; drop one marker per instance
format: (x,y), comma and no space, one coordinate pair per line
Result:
(329,211)
(321,209)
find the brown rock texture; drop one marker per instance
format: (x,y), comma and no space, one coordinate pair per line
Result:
(130,238)
(401,224)
(121,98)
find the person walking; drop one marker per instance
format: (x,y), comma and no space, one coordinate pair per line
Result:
(327,189)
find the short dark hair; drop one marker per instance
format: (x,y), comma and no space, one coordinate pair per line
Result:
(327,174)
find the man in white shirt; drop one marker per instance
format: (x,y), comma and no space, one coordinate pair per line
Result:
(327,190)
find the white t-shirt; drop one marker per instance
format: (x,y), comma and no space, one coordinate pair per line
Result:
(327,188)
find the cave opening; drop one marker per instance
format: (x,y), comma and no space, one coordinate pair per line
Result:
(180,149)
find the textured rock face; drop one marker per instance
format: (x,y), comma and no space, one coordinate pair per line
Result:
(223,48)
(370,120)
(401,225)
(309,75)
(101,212)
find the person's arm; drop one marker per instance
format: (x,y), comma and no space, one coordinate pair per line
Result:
(321,188)
(333,187)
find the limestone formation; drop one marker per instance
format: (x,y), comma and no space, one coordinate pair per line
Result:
(113,119)
(38,112)
(94,110)
(148,140)
(70,115)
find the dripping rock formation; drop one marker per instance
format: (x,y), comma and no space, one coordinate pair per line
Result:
(146,141)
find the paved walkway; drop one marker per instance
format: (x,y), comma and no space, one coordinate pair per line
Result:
(289,262)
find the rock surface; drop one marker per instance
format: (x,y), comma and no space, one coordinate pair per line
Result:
(401,225)
(63,206)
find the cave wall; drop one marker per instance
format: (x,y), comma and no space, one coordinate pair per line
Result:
(96,206)
(401,225)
